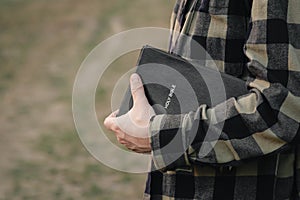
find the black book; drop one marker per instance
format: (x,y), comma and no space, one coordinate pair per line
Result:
(174,85)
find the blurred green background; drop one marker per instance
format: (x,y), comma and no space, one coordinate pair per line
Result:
(42,44)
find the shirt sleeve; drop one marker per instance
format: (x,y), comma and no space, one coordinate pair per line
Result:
(260,123)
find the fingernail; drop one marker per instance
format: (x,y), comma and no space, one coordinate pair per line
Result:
(134,78)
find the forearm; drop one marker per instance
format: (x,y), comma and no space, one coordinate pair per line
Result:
(253,127)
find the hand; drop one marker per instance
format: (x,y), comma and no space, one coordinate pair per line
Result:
(131,129)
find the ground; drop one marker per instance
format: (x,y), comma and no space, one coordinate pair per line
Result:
(42,44)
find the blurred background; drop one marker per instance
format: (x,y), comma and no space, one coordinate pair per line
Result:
(42,44)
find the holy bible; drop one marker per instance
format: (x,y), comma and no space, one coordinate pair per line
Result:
(174,85)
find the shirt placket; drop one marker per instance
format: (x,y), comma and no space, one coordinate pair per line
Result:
(183,21)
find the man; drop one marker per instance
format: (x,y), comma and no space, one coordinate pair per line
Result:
(257,156)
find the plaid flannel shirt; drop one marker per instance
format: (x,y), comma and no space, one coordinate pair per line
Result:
(257,155)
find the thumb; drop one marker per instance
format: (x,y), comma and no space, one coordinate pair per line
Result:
(137,89)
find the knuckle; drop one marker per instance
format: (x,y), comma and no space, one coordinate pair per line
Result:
(115,128)
(138,119)
(106,123)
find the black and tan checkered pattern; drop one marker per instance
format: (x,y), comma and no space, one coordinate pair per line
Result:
(257,155)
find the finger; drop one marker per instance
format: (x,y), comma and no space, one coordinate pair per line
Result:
(114,114)
(137,89)
(120,134)
(126,140)
(122,141)
(145,151)
(130,146)
(110,123)
(137,149)
(132,143)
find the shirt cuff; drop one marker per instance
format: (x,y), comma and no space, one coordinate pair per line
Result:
(169,142)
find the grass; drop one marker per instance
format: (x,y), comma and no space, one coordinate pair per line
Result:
(42,44)
(59,145)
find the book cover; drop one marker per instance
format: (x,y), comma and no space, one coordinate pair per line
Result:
(173,85)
